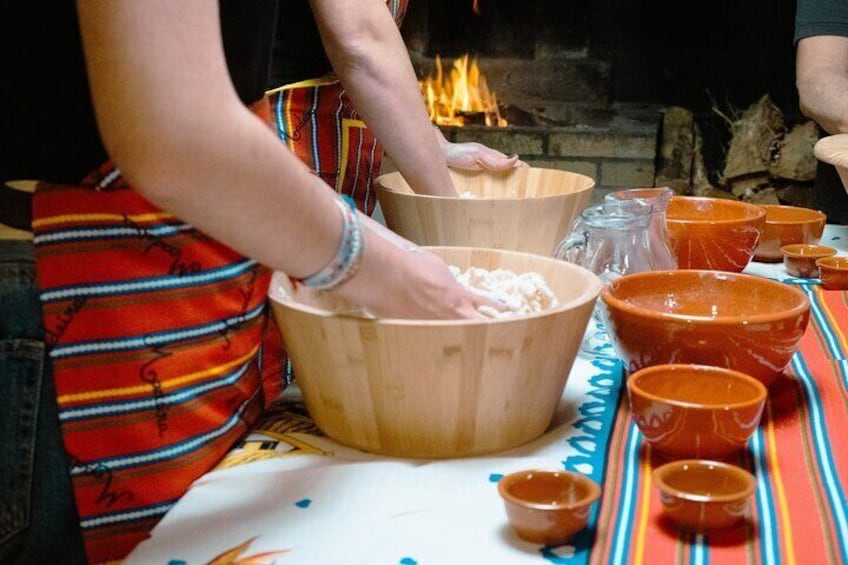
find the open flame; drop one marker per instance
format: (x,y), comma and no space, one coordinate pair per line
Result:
(453,99)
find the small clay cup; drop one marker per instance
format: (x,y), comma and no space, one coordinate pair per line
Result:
(548,507)
(799,259)
(700,495)
(695,410)
(834,272)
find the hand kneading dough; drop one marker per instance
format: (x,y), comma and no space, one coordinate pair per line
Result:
(526,293)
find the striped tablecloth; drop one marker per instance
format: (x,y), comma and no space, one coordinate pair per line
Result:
(290,496)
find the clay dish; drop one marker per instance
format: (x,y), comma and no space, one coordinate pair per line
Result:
(742,322)
(799,259)
(523,209)
(436,388)
(786,225)
(700,495)
(834,272)
(695,410)
(548,507)
(713,233)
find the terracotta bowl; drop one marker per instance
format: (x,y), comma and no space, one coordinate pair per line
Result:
(436,388)
(713,233)
(700,495)
(742,322)
(787,225)
(834,272)
(799,259)
(695,410)
(523,209)
(548,507)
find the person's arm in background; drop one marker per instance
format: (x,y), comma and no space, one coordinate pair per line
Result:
(172,122)
(367,52)
(821,76)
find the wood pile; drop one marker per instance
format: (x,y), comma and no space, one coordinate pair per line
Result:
(766,161)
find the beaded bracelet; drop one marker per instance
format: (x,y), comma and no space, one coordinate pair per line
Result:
(346,261)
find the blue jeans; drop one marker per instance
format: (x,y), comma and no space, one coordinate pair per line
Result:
(38,517)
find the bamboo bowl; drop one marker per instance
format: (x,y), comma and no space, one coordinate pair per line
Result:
(523,209)
(433,388)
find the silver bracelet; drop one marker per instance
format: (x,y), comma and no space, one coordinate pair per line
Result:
(348,255)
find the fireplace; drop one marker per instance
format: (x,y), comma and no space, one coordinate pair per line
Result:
(584,85)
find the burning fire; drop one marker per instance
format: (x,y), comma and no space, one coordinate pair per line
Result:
(452,99)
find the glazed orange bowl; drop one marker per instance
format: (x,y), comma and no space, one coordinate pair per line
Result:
(786,225)
(701,495)
(799,259)
(523,209)
(548,507)
(742,322)
(833,272)
(713,233)
(695,410)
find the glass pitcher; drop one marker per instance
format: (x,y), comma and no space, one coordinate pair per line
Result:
(610,239)
(662,257)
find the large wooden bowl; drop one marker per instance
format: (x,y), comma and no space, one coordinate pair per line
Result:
(436,389)
(523,209)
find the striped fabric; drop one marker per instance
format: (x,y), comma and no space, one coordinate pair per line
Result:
(798,514)
(156,334)
(317,121)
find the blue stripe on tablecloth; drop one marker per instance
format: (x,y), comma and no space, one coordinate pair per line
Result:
(835,495)
(595,424)
(769,546)
(821,321)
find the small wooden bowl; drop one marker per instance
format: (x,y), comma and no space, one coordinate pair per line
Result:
(834,272)
(713,233)
(787,225)
(548,507)
(799,259)
(700,495)
(523,209)
(695,410)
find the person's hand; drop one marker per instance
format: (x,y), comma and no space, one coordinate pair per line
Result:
(475,156)
(398,279)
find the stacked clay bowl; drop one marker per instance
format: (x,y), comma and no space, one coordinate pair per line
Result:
(523,209)
(742,322)
(434,388)
(788,225)
(713,233)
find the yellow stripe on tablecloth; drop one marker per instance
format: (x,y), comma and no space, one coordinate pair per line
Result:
(73,218)
(777,480)
(171,383)
(644,513)
(289,125)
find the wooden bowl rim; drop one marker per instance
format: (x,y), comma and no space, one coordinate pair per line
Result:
(814,216)
(837,263)
(793,251)
(590,185)
(588,294)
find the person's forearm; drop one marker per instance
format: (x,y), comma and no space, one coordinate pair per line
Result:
(822,81)
(172,122)
(369,56)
